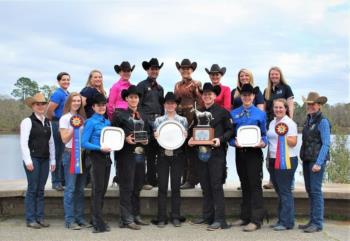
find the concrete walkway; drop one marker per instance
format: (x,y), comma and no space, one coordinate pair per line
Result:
(15,229)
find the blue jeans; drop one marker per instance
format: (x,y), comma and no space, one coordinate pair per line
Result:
(57,177)
(313,186)
(34,199)
(283,181)
(73,200)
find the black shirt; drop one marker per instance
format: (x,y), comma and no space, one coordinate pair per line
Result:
(151,99)
(280,91)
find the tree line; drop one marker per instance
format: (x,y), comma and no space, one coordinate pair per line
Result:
(12,111)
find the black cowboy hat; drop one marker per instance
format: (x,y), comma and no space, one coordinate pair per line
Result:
(208,87)
(99,98)
(186,63)
(125,65)
(152,63)
(248,88)
(131,90)
(216,69)
(170,96)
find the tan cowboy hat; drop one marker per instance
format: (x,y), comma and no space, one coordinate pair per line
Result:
(314,97)
(37,98)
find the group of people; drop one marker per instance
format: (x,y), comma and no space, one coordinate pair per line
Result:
(63,136)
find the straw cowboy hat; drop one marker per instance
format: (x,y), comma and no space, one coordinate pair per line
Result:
(314,97)
(37,98)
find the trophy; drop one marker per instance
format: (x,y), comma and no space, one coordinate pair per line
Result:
(203,134)
(139,134)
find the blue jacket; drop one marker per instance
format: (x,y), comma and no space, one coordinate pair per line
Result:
(92,132)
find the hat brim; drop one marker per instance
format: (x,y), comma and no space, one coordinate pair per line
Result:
(222,71)
(193,66)
(125,93)
(320,100)
(146,65)
(30,101)
(117,68)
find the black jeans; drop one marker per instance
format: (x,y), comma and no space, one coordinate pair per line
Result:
(190,173)
(131,180)
(100,171)
(174,164)
(151,159)
(211,175)
(249,167)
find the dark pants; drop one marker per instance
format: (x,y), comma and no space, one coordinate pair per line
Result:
(131,180)
(249,167)
(282,181)
(57,177)
(211,175)
(313,186)
(152,153)
(190,173)
(100,171)
(174,164)
(34,199)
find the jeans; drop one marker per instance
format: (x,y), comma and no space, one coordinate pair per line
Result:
(174,165)
(57,177)
(34,199)
(313,186)
(249,168)
(73,199)
(282,181)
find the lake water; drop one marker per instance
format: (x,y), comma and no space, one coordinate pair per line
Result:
(12,165)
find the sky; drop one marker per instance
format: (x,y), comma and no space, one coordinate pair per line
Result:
(308,40)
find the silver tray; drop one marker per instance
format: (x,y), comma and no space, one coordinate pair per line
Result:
(171,135)
(248,136)
(112,137)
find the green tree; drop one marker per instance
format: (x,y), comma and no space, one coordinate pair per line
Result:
(47,90)
(25,87)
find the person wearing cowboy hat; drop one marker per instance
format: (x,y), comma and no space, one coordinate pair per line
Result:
(170,159)
(115,100)
(131,159)
(99,157)
(38,155)
(212,164)
(249,161)
(215,73)
(314,153)
(189,91)
(150,103)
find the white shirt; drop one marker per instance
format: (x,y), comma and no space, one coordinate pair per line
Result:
(26,127)
(272,136)
(65,124)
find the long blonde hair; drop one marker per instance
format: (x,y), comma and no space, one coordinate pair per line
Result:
(239,85)
(89,84)
(268,90)
(68,103)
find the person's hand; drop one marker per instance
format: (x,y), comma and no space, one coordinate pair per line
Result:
(261,144)
(190,142)
(156,134)
(30,167)
(105,149)
(185,134)
(130,139)
(316,168)
(216,142)
(52,168)
(237,144)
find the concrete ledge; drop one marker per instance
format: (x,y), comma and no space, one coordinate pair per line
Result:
(337,200)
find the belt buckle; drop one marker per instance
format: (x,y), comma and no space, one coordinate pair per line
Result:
(169,152)
(139,150)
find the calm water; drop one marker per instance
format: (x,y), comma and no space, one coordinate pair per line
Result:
(12,166)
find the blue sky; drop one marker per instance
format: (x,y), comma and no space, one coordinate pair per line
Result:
(309,40)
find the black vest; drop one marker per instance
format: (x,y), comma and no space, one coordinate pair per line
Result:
(39,138)
(312,142)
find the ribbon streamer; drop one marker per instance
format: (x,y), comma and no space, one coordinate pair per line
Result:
(75,159)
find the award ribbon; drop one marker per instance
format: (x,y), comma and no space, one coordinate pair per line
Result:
(75,160)
(282,155)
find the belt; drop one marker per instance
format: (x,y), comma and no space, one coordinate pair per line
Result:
(67,149)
